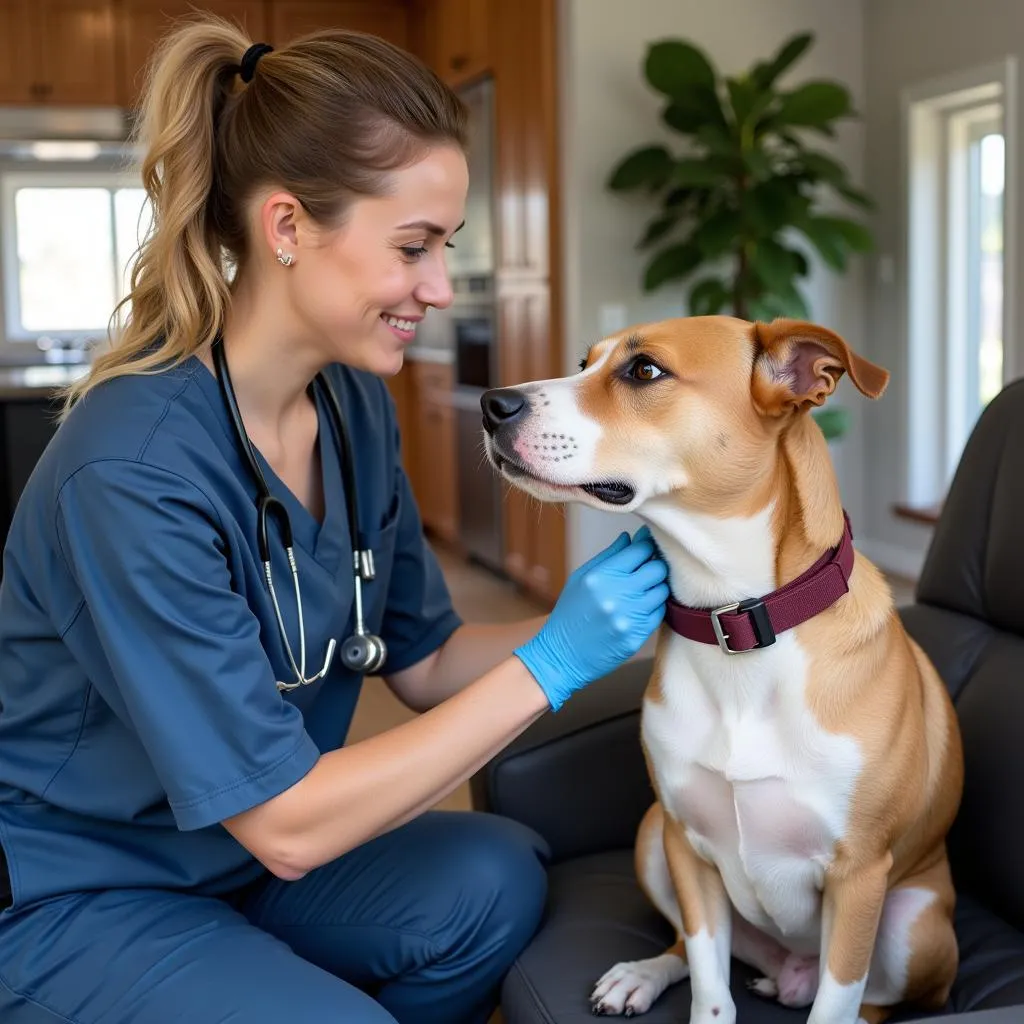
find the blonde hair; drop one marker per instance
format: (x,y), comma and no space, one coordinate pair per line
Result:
(325,118)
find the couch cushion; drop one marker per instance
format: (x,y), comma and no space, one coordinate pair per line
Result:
(984,671)
(597,916)
(975,561)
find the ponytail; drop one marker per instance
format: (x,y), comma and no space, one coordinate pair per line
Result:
(325,118)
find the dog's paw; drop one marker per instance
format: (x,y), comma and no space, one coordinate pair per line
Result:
(798,981)
(632,987)
(766,988)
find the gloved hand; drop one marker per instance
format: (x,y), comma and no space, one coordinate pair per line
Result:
(604,615)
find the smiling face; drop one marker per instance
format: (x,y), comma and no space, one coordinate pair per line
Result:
(692,407)
(360,289)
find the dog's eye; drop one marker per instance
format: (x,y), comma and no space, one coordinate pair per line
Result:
(583,364)
(644,369)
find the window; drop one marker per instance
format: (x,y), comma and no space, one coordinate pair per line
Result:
(959,263)
(70,243)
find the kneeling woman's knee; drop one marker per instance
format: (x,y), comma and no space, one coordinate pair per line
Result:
(504,884)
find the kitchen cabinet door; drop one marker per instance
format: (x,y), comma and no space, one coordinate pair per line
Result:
(291,18)
(19,56)
(144,22)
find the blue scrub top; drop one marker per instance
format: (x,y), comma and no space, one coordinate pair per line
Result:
(139,650)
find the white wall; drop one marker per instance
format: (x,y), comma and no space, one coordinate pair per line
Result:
(908,42)
(608,109)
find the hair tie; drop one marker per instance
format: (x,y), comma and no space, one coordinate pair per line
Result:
(247,67)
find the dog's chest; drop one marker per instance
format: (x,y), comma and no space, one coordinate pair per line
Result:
(763,791)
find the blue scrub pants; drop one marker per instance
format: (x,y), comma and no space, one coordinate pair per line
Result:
(419,926)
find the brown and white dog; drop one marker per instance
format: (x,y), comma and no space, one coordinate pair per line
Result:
(805,786)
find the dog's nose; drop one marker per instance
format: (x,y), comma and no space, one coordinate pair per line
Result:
(500,406)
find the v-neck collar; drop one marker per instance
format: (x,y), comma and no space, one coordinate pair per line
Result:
(326,541)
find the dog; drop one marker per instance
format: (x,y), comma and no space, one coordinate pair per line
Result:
(803,751)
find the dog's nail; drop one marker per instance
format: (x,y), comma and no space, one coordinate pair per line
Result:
(629,1011)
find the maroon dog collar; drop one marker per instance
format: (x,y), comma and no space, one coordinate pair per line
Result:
(753,624)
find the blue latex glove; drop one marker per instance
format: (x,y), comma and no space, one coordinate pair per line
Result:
(604,615)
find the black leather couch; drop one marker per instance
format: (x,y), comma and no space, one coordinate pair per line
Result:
(578,777)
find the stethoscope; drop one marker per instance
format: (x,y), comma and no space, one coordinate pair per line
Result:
(361,652)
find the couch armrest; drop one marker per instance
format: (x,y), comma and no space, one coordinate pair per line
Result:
(577,776)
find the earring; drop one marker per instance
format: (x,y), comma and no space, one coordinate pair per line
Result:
(284,258)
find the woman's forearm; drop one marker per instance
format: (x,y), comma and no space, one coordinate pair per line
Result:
(471,652)
(360,791)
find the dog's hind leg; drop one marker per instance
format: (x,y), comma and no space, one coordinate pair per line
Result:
(915,957)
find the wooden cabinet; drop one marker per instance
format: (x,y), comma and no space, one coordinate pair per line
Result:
(515,41)
(526,97)
(430,447)
(453,37)
(464,39)
(58,52)
(528,266)
(291,18)
(400,387)
(18,65)
(143,22)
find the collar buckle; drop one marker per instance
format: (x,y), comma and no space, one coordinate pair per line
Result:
(760,621)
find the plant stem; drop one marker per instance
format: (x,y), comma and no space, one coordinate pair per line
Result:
(739,302)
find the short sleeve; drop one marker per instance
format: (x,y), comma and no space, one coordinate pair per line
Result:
(418,615)
(171,646)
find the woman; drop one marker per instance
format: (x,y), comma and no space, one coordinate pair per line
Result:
(187,838)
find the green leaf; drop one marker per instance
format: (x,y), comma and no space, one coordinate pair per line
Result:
(719,234)
(691,111)
(822,129)
(685,117)
(761,309)
(774,204)
(814,104)
(677,198)
(788,302)
(789,53)
(707,297)
(791,303)
(775,265)
(670,264)
(855,196)
(821,166)
(761,103)
(697,172)
(717,140)
(742,95)
(856,236)
(658,228)
(758,163)
(649,166)
(674,67)
(834,421)
(827,240)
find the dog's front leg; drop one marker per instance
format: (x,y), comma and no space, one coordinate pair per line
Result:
(854,895)
(707,927)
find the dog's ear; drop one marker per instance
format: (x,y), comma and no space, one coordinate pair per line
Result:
(798,364)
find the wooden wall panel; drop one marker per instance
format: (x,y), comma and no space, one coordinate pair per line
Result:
(528,246)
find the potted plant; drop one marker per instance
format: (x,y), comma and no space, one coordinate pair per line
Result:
(735,210)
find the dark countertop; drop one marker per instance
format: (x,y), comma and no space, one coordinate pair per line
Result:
(23,383)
